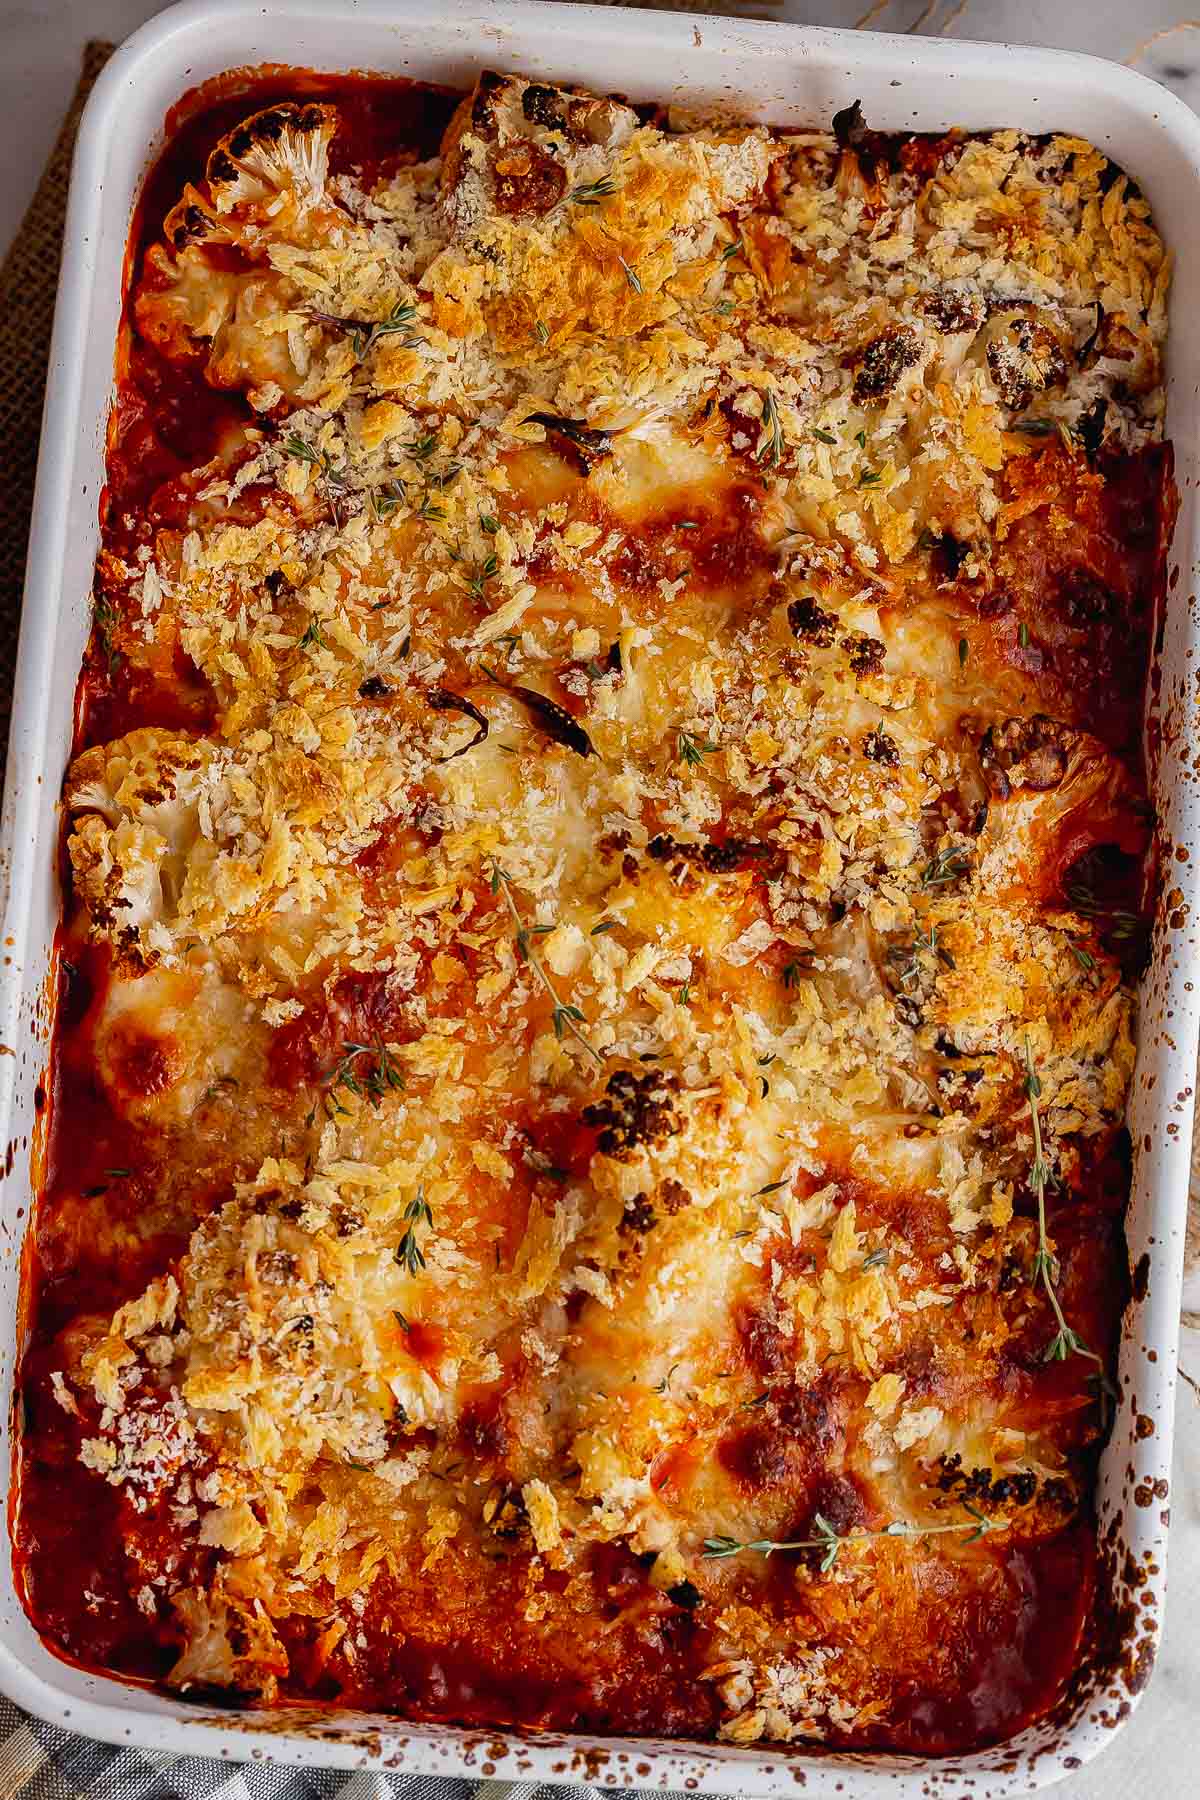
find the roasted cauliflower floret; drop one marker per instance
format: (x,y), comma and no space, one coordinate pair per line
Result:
(260,181)
(170,841)
(134,825)
(264,188)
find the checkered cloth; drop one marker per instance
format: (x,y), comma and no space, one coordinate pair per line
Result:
(44,1762)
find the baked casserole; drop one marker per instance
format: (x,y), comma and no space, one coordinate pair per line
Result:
(608,857)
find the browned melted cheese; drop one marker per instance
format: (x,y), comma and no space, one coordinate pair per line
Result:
(609,753)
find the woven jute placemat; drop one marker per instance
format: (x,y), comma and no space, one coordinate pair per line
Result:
(28,283)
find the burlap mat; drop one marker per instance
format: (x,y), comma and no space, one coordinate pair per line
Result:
(28,281)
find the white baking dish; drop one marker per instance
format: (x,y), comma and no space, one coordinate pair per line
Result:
(783,74)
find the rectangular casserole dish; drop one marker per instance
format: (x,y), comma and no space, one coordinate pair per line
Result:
(737,66)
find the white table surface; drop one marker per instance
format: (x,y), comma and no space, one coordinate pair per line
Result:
(1158,1754)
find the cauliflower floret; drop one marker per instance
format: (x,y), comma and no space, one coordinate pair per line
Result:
(137,801)
(260,180)
(264,188)
(175,837)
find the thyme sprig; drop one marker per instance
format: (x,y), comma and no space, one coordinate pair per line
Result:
(477,583)
(1120,923)
(1066,1341)
(409,1254)
(945,866)
(591,193)
(370,1083)
(831,1541)
(771,449)
(566,1018)
(905,959)
(365,333)
(105,618)
(385,499)
(333,480)
(693,750)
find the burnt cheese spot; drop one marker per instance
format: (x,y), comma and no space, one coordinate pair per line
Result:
(811,623)
(639,1110)
(883,362)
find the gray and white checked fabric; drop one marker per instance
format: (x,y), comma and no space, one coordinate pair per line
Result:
(44,1762)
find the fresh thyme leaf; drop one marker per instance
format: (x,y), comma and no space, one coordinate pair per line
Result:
(1083,957)
(604,925)
(446,477)
(964,650)
(877,1258)
(822,436)
(736,248)
(385,499)
(1023,635)
(631,276)
(312,639)
(333,480)
(105,619)
(771,449)
(430,510)
(869,478)
(772,1187)
(488,523)
(945,866)
(905,959)
(693,750)
(1120,924)
(408,1252)
(723,308)
(367,1082)
(296,447)
(591,193)
(541,332)
(421,447)
(564,1016)
(860,438)
(477,583)
(364,334)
